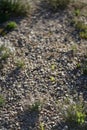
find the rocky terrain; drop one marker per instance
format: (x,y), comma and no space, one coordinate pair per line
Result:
(43,68)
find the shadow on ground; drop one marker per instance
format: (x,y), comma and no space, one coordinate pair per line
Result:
(28,120)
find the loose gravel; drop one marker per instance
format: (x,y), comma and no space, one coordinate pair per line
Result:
(44,41)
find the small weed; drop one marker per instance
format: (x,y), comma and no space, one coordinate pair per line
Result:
(2,101)
(75,114)
(80,26)
(5,56)
(2,47)
(83,34)
(42,126)
(74,47)
(84,68)
(73,111)
(78,65)
(74,21)
(52,78)
(4,53)
(36,106)
(53,67)
(20,64)
(77,12)
(11,26)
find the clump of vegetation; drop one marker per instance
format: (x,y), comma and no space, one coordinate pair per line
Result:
(75,114)
(53,67)
(84,67)
(83,34)
(36,106)
(73,111)
(20,64)
(42,126)
(52,79)
(11,25)
(4,53)
(78,66)
(8,27)
(2,101)
(58,4)
(81,27)
(10,8)
(77,12)
(74,49)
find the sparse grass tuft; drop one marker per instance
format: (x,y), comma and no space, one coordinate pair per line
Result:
(81,27)
(36,106)
(11,25)
(74,48)
(75,114)
(73,111)
(52,79)
(78,66)
(20,64)
(77,12)
(42,126)
(53,67)
(83,34)
(2,101)
(4,53)
(84,67)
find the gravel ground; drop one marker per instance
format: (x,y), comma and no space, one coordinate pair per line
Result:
(44,41)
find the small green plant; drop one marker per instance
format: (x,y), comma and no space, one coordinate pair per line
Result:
(75,114)
(20,64)
(78,65)
(4,53)
(53,66)
(52,78)
(5,56)
(84,67)
(11,25)
(80,26)
(42,126)
(2,47)
(74,48)
(77,12)
(85,70)
(2,101)
(83,34)
(36,106)
(73,111)
(58,4)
